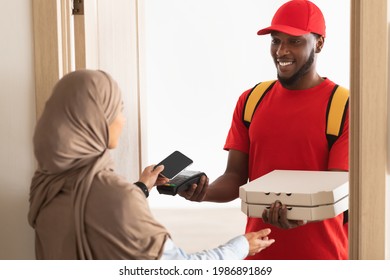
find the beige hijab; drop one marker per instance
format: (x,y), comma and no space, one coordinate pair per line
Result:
(70,145)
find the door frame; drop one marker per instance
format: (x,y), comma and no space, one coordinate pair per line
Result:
(368,129)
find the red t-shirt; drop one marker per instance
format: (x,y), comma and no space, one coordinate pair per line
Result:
(287,132)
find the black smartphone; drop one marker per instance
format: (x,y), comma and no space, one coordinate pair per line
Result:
(174,164)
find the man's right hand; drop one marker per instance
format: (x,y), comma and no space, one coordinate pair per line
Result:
(196,192)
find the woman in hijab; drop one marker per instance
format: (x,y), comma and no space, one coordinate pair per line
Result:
(79,207)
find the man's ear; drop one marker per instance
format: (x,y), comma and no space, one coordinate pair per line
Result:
(319,44)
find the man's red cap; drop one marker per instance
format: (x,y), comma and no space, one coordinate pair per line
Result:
(296,18)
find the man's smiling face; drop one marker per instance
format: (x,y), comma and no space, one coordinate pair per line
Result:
(293,56)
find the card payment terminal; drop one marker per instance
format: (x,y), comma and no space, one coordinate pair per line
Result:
(182,181)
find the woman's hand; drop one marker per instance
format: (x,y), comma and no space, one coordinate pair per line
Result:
(258,241)
(150,176)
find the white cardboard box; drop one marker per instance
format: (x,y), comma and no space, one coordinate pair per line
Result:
(309,195)
(315,213)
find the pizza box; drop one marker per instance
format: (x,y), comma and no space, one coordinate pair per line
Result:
(309,195)
(314,213)
(296,187)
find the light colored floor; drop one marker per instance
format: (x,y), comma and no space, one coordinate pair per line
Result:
(198,229)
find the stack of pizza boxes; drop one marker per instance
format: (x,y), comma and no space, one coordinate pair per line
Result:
(308,195)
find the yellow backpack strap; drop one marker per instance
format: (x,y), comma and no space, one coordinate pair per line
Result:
(336,111)
(254,98)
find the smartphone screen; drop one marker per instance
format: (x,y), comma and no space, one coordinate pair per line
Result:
(174,164)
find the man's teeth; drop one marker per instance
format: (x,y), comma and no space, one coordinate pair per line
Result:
(284,63)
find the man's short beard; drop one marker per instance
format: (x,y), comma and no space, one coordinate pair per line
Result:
(286,82)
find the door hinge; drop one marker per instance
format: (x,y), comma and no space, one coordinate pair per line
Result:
(78,7)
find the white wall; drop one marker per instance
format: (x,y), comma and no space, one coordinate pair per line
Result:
(17,118)
(200,55)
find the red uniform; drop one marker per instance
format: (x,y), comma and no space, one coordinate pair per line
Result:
(288,132)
